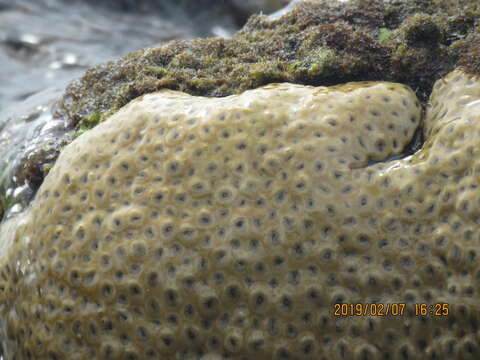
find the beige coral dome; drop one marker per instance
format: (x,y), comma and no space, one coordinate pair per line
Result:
(189,227)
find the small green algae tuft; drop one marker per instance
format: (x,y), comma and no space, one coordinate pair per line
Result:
(87,123)
(385,36)
(322,62)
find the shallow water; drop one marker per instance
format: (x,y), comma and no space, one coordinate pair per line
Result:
(49,42)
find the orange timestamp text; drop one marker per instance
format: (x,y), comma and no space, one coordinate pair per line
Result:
(392,309)
(369,309)
(432,309)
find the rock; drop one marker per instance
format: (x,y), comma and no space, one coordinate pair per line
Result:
(366,40)
(30,141)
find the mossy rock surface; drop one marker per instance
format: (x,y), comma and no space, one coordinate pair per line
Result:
(318,43)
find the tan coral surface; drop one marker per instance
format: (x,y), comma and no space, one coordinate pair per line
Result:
(187,227)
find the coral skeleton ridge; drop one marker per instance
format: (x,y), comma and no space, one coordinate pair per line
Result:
(187,226)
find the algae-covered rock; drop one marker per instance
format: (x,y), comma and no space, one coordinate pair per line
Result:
(189,227)
(426,40)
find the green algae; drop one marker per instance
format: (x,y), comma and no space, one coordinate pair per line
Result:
(322,62)
(157,71)
(385,36)
(91,120)
(87,123)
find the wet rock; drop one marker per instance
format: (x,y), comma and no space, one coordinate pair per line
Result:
(293,47)
(30,141)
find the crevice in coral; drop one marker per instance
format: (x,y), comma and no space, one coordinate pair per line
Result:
(411,148)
